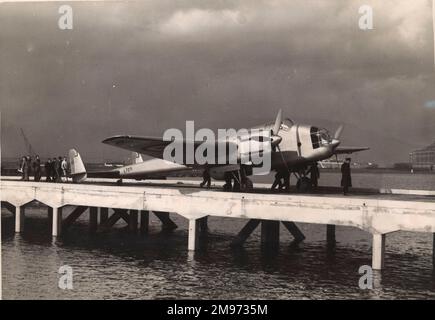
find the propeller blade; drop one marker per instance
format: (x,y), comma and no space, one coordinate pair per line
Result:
(338,132)
(278,122)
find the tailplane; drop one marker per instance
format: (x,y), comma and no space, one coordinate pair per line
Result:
(77,168)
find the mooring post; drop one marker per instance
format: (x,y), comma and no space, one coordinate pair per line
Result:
(330,235)
(104,215)
(193,234)
(378,251)
(57,222)
(144,221)
(132,221)
(93,219)
(270,233)
(19,218)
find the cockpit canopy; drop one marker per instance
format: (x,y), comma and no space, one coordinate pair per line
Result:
(319,137)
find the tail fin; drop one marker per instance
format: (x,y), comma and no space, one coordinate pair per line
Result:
(136,158)
(77,168)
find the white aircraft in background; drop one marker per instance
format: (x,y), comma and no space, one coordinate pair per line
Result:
(294,149)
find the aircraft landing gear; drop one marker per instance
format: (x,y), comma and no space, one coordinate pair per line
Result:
(119,182)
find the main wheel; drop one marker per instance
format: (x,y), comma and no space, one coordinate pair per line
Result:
(303,185)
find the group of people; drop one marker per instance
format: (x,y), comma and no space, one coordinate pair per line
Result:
(282,178)
(55,169)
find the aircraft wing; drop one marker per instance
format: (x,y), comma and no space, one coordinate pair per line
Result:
(347,150)
(151,146)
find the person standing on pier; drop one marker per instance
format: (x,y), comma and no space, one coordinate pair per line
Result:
(47,167)
(26,168)
(55,169)
(206,178)
(37,168)
(278,181)
(64,167)
(21,167)
(314,175)
(346,179)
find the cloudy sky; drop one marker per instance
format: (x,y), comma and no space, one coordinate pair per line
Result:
(141,67)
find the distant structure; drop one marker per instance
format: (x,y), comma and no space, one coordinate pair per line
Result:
(423,158)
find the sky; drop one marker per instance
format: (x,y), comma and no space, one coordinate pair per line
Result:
(141,67)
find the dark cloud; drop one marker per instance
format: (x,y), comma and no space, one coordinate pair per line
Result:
(139,68)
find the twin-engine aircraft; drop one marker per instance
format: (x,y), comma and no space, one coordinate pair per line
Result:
(293,148)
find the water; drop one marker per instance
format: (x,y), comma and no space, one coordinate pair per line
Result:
(121,265)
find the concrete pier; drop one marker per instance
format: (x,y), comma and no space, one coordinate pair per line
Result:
(378,214)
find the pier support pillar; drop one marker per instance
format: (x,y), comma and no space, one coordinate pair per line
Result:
(203,226)
(19,218)
(93,219)
(168,224)
(294,230)
(144,221)
(245,232)
(433,251)
(270,233)
(378,251)
(330,235)
(193,234)
(57,222)
(104,215)
(133,219)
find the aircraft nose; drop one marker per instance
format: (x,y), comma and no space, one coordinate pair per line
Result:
(334,143)
(275,140)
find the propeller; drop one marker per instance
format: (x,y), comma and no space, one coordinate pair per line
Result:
(278,122)
(338,132)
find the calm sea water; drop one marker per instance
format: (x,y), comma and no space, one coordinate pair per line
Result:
(121,265)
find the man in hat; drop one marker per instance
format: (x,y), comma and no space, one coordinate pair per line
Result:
(346,179)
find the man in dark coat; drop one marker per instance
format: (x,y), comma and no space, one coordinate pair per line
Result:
(314,175)
(278,181)
(37,168)
(55,169)
(346,179)
(206,179)
(47,167)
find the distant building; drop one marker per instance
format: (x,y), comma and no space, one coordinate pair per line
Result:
(423,158)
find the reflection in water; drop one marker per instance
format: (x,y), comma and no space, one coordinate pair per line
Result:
(120,265)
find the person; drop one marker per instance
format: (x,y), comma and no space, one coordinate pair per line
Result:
(55,169)
(21,167)
(59,169)
(314,175)
(37,168)
(286,184)
(206,179)
(26,168)
(278,181)
(64,167)
(346,179)
(47,167)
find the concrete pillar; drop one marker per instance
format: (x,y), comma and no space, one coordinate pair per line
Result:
(433,250)
(330,235)
(245,232)
(104,215)
(270,233)
(203,225)
(57,222)
(93,219)
(19,218)
(294,230)
(50,213)
(168,224)
(193,234)
(144,221)
(133,219)
(378,251)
